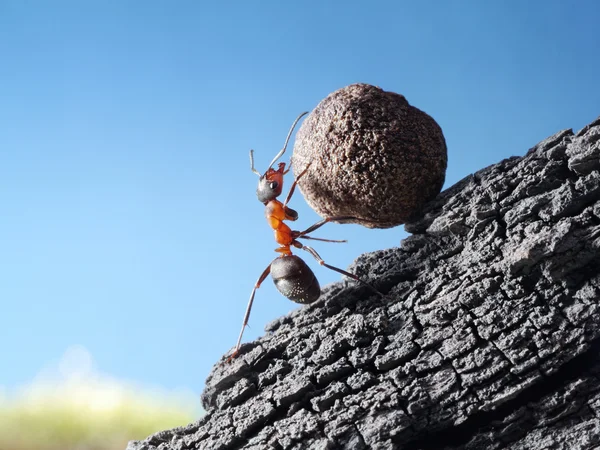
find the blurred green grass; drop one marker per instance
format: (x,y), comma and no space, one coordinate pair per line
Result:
(89,414)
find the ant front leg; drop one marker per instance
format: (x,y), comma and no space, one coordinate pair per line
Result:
(248,308)
(293,187)
(320,260)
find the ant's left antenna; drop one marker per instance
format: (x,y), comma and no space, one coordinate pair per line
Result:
(252,164)
(282,151)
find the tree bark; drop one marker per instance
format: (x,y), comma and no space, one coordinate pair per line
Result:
(487,335)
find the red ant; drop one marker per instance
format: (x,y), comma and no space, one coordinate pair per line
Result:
(291,275)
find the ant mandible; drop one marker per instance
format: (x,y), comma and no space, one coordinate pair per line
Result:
(291,275)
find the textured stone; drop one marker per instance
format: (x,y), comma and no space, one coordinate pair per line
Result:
(488,335)
(372,156)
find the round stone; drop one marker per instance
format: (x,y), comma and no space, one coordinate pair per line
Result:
(372,157)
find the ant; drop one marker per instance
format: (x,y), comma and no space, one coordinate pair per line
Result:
(291,275)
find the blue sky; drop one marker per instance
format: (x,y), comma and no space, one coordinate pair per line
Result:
(129,224)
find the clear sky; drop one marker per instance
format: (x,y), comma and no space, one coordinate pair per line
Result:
(129,225)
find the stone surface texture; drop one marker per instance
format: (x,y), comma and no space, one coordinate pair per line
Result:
(488,336)
(372,156)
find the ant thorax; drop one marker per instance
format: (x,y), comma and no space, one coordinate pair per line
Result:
(274,210)
(275,213)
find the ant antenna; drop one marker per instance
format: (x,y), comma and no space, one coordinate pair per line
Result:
(252,164)
(282,151)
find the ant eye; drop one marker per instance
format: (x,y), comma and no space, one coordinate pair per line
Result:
(274,185)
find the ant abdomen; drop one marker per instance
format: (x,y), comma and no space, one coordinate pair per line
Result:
(294,279)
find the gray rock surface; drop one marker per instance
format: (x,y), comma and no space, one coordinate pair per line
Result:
(488,336)
(370,155)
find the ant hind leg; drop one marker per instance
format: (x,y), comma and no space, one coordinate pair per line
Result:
(320,260)
(248,309)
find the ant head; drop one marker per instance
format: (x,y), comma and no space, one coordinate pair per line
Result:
(270,184)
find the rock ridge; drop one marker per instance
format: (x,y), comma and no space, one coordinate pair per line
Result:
(488,335)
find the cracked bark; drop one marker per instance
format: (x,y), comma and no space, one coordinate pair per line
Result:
(488,335)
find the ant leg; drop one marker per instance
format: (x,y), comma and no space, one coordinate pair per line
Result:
(319,224)
(341,241)
(248,308)
(293,187)
(320,260)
